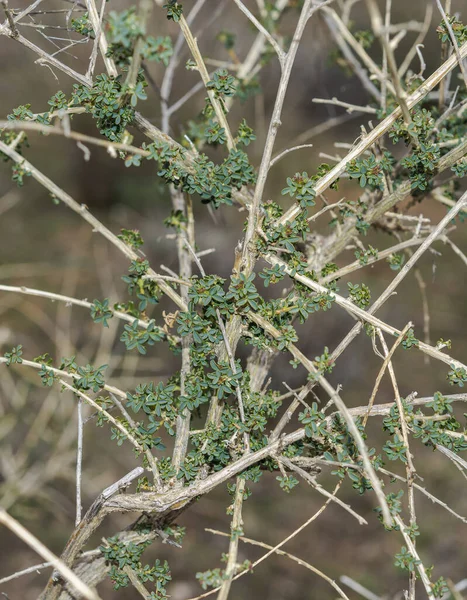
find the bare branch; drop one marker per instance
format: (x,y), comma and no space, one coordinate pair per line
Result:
(39,547)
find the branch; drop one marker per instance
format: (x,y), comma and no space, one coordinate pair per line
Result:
(46,554)
(291,556)
(79,464)
(100,35)
(216,103)
(275,122)
(60,373)
(337,243)
(380,129)
(343,410)
(70,300)
(453,41)
(184,237)
(90,522)
(144,12)
(411,547)
(382,370)
(273,549)
(281,55)
(235,527)
(312,481)
(83,211)
(350,107)
(429,350)
(11,21)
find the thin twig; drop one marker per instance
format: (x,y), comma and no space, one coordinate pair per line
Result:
(382,370)
(100,35)
(288,555)
(420,38)
(426,493)
(75,301)
(278,157)
(350,107)
(357,587)
(95,47)
(281,55)
(79,463)
(45,565)
(273,549)
(319,488)
(275,122)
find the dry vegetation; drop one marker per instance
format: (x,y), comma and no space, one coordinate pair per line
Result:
(223,416)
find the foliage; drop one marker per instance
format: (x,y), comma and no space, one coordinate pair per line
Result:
(458,28)
(124,29)
(300,187)
(83,26)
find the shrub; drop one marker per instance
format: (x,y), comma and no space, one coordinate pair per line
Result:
(248,428)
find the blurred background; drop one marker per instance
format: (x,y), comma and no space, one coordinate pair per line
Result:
(45,246)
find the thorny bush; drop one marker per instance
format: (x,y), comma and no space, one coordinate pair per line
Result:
(415,149)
